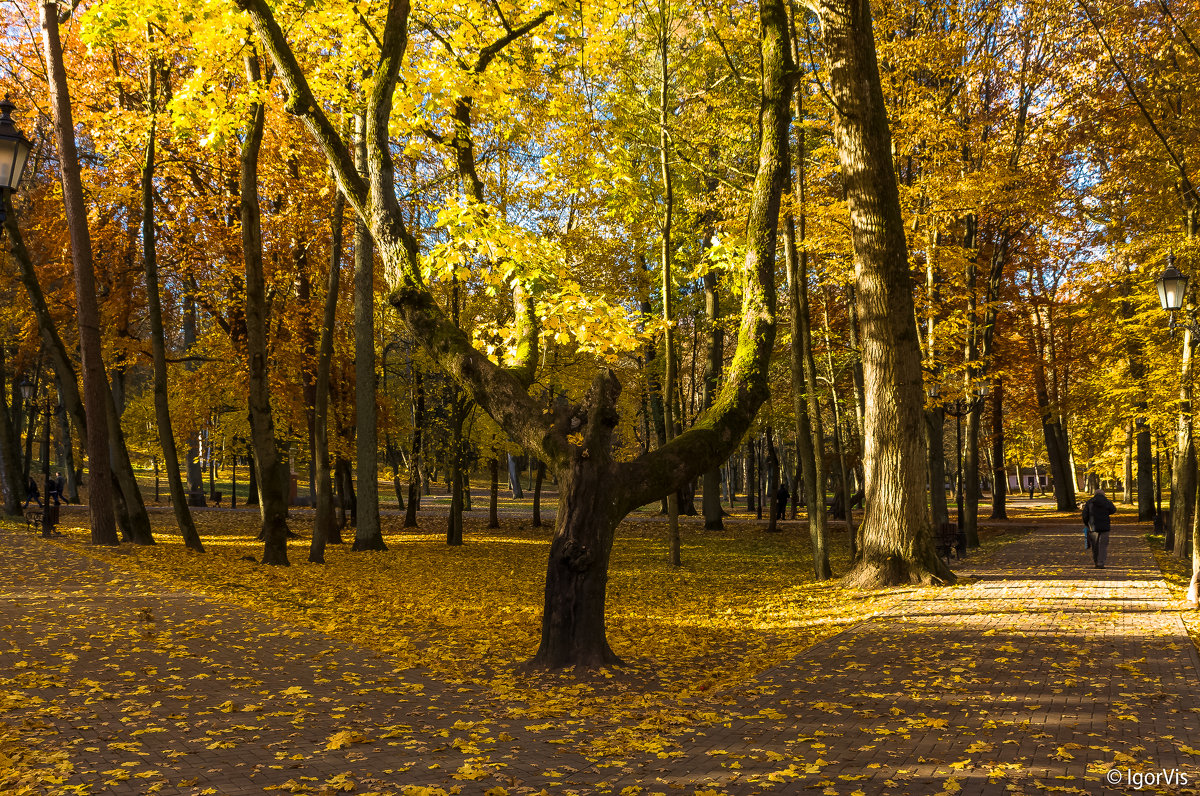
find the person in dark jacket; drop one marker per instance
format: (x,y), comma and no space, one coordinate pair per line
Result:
(1096,514)
(781,500)
(32,493)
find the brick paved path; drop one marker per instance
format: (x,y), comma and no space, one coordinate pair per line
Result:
(1039,677)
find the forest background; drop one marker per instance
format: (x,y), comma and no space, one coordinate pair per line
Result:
(575,181)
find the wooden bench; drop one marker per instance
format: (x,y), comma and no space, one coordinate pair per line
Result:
(33,518)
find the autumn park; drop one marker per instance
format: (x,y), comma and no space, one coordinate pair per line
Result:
(636,398)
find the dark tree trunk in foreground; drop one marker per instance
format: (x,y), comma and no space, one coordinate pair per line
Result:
(158,346)
(896,543)
(323,526)
(95,381)
(272,470)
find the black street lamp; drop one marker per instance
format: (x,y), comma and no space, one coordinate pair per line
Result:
(1172,295)
(14,153)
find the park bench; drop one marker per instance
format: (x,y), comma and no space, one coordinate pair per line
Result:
(33,517)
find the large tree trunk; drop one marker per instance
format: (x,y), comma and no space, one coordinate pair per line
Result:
(271,469)
(367,533)
(158,345)
(95,381)
(896,542)
(589,510)
(323,525)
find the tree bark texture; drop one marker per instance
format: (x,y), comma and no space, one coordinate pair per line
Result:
(271,468)
(95,381)
(896,545)
(999,471)
(367,533)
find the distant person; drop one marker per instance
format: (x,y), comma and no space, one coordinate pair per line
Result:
(52,491)
(1096,513)
(32,493)
(1031,488)
(60,484)
(781,500)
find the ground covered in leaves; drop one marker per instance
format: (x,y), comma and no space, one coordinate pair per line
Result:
(712,699)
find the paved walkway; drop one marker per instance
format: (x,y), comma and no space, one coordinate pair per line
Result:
(1041,676)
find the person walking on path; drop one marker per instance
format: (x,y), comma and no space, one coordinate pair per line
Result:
(32,493)
(1096,514)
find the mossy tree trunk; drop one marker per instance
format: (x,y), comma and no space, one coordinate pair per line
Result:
(595,492)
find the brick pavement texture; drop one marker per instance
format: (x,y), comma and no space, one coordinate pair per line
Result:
(1040,674)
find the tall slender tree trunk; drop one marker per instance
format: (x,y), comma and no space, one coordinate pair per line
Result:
(970,475)
(494,493)
(367,534)
(158,345)
(10,458)
(711,480)
(668,285)
(897,545)
(324,522)
(999,473)
(537,493)
(95,381)
(414,477)
(272,469)
(195,476)
(810,436)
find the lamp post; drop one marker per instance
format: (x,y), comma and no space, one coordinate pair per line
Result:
(14,153)
(1172,292)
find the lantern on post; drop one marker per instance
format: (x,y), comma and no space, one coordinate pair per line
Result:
(14,153)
